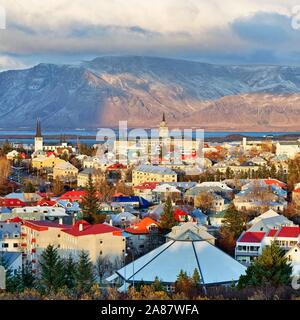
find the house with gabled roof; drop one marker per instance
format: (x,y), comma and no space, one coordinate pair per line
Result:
(251,243)
(143,235)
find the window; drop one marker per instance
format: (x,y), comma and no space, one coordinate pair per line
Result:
(4,245)
(16,245)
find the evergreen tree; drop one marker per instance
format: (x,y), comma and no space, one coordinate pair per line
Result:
(196,278)
(85,277)
(233,222)
(70,272)
(52,270)
(10,280)
(157,285)
(26,278)
(168,220)
(89,203)
(271,268)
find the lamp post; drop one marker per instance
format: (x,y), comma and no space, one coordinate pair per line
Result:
(132,255)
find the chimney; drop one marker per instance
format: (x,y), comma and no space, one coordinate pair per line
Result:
(110,222)
(60,221)
(80,227)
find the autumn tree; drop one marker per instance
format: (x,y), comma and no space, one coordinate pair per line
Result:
(4,170)
(204,201)
(186,285)
(29,187)
(57,187)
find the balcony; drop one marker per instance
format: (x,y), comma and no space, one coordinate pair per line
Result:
(248,253)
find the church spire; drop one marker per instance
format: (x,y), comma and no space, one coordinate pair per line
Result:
(38,133)
(164,117)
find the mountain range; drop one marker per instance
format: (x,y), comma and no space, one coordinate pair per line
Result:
(138,89)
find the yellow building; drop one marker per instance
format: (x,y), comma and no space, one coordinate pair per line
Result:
(65,171)
(150,173)
(98,240)
(43,162)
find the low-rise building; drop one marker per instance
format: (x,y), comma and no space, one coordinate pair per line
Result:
(65,171)
(151,173)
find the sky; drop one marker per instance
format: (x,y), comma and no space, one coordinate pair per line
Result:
(215,31)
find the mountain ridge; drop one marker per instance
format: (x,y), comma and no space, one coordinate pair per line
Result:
(139,89)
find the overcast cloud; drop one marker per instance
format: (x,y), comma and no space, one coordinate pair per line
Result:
(221,31)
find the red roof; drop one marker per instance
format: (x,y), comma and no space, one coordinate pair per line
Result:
(255,237)
(289,232)
(142,227)
(116,166)
(275,182)
(179,214)
(73,195)
(272,233)
(44,225)
(16,220)
(50,153)
(7,202)
(88,229)
(45,202)
(147,186)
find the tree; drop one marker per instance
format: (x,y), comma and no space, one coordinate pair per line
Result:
(57,187)
(4,170)
(24,277)
(233,222)
(102,266)
(84,274)
(89,203)
(52,269)
(29,187)
(185,285)
(196,278)
(204,201)
(7,147)
(70,273)
(270,269)
(168,220)
(157,285)
(10,280)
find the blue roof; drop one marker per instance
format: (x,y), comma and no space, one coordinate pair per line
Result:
(142,202)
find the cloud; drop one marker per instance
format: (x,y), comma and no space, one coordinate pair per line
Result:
(9,63)
(264,28)
(213,30)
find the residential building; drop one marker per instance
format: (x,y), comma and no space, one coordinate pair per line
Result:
(143,236)
(150,173)
(65,171)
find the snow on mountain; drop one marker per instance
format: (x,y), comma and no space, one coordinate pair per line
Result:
(138,89)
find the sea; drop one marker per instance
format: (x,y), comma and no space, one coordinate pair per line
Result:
(25,136)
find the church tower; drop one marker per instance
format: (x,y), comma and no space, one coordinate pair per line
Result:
(163,129)
(38,139)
